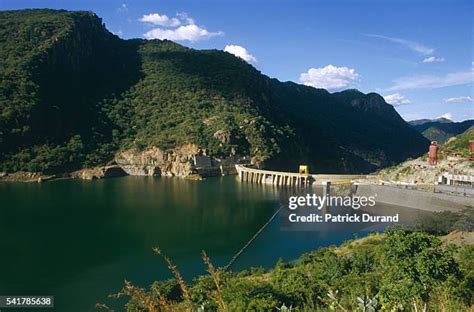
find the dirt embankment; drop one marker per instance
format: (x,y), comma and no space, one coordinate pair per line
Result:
(459,238)
(418,171)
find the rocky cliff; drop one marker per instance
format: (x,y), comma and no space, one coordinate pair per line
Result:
(181,161)
(155,162)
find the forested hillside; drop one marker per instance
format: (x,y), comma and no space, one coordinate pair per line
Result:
(72,94)
(440,129)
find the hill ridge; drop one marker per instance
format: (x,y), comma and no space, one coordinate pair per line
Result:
(92,94)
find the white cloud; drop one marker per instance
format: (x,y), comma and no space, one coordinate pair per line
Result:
(396,99)
(241,52)
(432,81)
(329,77)
(433,59)
(412,45)
(123,8)
(447,116)
(459,99)
(160,20)
(185,18)
(179,28)
(191,33)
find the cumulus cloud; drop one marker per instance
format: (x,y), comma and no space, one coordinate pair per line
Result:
(241,52)
(179,28)
(160,20)
(191,33)
(447,116)
(433,59)
(396,99)
(329,77)
(412,45)
(432,81)
(459,99)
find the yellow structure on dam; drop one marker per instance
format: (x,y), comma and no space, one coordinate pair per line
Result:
(303,169)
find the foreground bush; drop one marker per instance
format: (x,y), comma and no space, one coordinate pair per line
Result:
(396,271)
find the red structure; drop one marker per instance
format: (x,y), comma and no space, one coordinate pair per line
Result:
(433,153)
(471,146)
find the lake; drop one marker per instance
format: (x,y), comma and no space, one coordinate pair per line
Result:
(79,240)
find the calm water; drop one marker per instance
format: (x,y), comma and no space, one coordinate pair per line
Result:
(78,240)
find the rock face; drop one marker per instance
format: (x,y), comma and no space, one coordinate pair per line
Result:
(25,176)
(182,161)
(222,136)
(98,173)
(155,162)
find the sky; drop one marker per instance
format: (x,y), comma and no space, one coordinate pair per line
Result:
(417,54)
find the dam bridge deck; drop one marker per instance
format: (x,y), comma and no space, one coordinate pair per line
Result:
(279,178)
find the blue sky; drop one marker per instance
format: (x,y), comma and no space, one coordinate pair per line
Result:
(417,54)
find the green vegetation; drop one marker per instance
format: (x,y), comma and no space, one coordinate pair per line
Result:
(72,94)
(396,271)
(407,170)
(445,222)
(461,143)
(440,129)
(435,134)
(55,69)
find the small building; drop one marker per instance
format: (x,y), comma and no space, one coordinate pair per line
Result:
(202,161)
(456,179)
(471,146)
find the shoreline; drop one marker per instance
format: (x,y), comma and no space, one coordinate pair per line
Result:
(385,194)
(90,174)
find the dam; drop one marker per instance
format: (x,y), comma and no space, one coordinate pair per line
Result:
(279,178)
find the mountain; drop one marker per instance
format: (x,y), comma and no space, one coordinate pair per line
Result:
(418,122)
(440,129)
(73,95)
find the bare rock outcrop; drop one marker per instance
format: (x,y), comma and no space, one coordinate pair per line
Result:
(98,173)
(25,176)
(156,162)
(183,161)
(222,136)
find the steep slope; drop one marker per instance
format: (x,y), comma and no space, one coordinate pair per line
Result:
(421,172)
(72,95)
(440,129)
(460,143)
(346,131)
(55,68)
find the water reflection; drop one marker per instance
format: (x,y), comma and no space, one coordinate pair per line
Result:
(79,240)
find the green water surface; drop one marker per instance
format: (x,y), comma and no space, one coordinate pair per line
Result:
(79,240)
